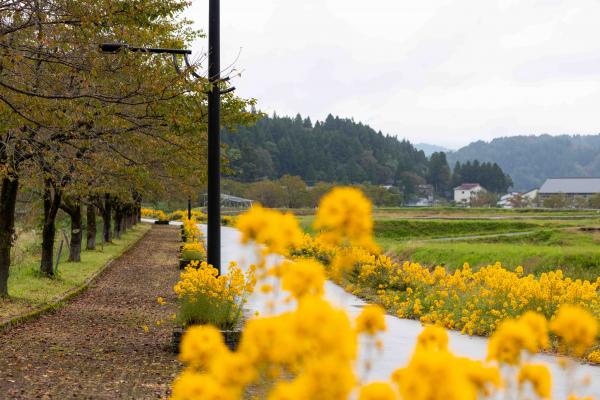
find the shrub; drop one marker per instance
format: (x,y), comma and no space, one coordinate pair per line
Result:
(193,251)
(205,297)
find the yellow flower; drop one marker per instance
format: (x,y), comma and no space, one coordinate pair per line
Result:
(200,344)
(539,327)
(192,385)
(285,390)
(509,341)
(434,375)
(277,231)
(301,278)
(433,338)
(233,369)
(377,391)
(344,214)
(145,328)
(539,377)
(574,397)
(576,327)
(594,357)
(485,379)
(327,379)
(371,320)
(161,301)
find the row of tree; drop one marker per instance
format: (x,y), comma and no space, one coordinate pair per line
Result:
(293,192)
(347,152)
(81,128)
(488,175)
(334,150)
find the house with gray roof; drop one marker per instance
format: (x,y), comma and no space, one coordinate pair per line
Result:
(573,188)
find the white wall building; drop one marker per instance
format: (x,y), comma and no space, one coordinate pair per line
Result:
(465,192)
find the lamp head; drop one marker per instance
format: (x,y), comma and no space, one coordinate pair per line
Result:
(113,47)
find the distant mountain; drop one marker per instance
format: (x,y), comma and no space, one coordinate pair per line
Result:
(530,160)
(429,149)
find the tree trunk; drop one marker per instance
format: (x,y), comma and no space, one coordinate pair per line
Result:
(118,220)
(8,201)
(106,219)
(76,235)
(52,198)
(125,218)
(91,225)
(73,208)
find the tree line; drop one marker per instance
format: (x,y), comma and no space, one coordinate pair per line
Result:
(346,152)
(292,192)
(94,134)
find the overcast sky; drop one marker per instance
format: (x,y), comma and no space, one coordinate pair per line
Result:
(436,71)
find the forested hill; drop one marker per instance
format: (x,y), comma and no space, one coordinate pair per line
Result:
(335,150)
(529,160)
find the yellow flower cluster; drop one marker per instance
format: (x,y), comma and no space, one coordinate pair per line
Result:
(439,374)
(577,329)
(154,214)
(538,376)
(594,357)
(227,220)
(344,218)
(471,301)
(191,231)
(276,231)
(206,281)
(310,351)
(173,216)
(207,297)
(193,251)
(371,320)
(177,215)
(302,278)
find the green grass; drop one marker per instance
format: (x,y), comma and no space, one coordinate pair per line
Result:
(457,211)
(401,229)
(306,222)
(27,288)
(576,253)
(549,243)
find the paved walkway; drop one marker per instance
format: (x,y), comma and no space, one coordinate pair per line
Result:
(95,346)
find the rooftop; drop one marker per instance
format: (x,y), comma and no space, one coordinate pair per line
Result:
(467,186)
(579,185)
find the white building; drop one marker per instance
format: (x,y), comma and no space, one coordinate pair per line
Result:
(519,199)
(465,192)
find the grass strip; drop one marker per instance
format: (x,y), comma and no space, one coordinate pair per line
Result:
(32,295)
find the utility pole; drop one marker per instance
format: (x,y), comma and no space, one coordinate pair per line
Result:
(214,136)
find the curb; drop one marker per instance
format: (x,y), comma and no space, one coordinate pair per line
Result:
(55,305)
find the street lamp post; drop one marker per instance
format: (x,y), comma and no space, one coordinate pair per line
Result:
(213,237)
(214,136)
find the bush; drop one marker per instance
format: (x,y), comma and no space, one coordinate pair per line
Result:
(205,297)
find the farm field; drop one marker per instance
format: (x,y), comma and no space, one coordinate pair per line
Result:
(537,240)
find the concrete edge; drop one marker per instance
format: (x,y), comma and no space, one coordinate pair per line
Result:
(57,303)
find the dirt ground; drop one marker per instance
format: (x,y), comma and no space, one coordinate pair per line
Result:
(111,342)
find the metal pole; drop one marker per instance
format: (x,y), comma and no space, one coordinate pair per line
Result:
(214,142)
(190,208)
